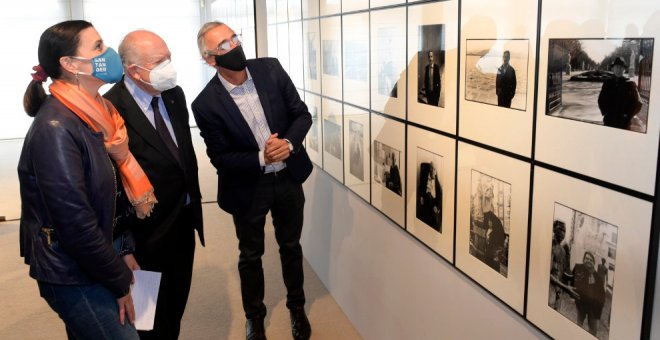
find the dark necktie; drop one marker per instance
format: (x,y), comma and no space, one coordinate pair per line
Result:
(162,130)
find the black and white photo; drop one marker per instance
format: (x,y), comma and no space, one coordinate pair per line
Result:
(582,269)
(313,136)
(387,72)
(356,152)
(600,81)
(429,189)
(490,221)
(431,64)
(332,138)
(330,57)
(387,167)
(311,55)
(496,72)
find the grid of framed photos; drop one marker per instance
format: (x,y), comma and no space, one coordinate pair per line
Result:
(518,141)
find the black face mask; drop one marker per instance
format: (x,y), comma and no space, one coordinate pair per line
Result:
(233,60)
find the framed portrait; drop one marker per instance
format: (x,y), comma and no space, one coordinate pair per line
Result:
(388,65)
(283,45)
(588,259)
(580,66)
(356,59)
(491,221)
(329,7)
(498,61)
(310,8)
(312,55)
(357,151)
(430,202)
(388,155)
(353,5)
(295,10)
(296,53)
(333,154)
(314,135)
(432,57)
(331,57)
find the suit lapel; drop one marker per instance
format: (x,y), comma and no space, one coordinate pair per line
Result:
(258,77)
(136,119)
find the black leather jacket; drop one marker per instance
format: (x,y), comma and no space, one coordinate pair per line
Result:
(68,187)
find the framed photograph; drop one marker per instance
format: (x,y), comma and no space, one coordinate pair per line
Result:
(310,8)
(353,5)
(296,53)
(295,10)
(588,259)
(356,59)
(312,55)
(432,58)
(572,114)
(331,57)
(329,7)
(388,65)
(600,81)
(314,135)
(430,201)
(491,221)
(490,72)
(498,62)
(388,155)
(357,151)
(333,155)
(283,45)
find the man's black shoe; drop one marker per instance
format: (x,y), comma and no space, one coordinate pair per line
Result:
(254,329)
(300,328)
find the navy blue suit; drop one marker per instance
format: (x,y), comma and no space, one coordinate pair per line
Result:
(244,190)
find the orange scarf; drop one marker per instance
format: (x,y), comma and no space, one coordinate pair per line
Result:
(106,119)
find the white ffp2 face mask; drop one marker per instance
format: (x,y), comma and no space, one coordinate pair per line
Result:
(163,76)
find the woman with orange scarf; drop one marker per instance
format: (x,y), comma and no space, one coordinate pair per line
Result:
(69,189)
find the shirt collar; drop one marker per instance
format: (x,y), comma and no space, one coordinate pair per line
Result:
(229,86)
(142,98)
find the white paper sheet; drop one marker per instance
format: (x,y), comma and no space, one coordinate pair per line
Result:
(145,295)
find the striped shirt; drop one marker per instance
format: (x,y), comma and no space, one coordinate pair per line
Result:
(247,99)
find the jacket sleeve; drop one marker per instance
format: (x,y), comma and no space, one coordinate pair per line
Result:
(60,176)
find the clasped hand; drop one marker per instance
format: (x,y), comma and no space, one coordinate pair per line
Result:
(277,150)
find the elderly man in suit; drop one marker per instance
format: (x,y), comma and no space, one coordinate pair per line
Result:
(253,123)
(156,116)
(432,81)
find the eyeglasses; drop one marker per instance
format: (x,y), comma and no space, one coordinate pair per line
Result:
(226,44)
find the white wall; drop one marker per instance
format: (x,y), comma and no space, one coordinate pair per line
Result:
(390,285)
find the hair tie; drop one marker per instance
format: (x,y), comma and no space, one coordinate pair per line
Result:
(39,75)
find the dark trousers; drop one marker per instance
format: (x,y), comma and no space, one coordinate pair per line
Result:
(285,199)
(174,259)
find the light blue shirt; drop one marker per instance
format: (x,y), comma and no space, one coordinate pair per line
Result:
(143,99)
(247,99)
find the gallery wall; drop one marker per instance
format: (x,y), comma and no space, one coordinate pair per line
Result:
(481,173)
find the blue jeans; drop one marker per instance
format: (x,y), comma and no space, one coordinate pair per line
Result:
(88,311)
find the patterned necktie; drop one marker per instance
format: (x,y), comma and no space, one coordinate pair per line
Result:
(163,132)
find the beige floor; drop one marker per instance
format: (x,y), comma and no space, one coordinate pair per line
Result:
(214,308)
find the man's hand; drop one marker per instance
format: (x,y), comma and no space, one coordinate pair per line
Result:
(132,264)
(277,150)
(126,309)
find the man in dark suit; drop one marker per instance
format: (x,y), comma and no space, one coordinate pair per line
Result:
(432,81)
(156,116)
(253,123)
(505,81)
